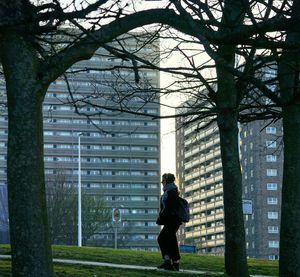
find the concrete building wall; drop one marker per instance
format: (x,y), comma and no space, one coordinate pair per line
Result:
(200,171)
(4,229)
(262,165)
(120,152)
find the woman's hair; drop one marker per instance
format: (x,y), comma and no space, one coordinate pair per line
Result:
(168,178)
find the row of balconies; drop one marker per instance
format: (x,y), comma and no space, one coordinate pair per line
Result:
(102,165)
(202,144)
(206,231)
(206,219)
(130,229)
(114,178)
(202,183)
(135,205)
(203,170)
(205,194)
(207,206)
(202,134)
(100,153)
(107,128)
(217,242)
(202,159)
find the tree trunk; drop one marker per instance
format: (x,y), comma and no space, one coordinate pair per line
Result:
(227,118)
(31,251)
(288,74)
(289,263)
(235,252)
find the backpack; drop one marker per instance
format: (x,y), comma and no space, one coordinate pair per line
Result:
(183,210)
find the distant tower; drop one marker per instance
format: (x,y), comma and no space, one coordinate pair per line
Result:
(199,169)
(262,165)
(120,158)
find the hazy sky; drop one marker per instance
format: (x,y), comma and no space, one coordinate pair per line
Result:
(168,163)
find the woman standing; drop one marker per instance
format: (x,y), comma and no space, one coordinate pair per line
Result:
(167,239)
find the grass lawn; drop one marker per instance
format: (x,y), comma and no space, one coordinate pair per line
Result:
(120,256)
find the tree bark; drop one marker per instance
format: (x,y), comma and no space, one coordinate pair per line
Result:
(31,251)
(288,74)
(227,119)
(289,263)
(235,252)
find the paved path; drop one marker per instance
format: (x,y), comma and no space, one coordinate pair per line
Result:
(137,267)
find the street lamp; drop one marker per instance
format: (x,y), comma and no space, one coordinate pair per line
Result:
(116,219)
(79,193)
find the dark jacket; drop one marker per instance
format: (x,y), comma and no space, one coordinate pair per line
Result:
(169,202)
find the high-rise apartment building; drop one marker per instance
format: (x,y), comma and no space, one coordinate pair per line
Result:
(4,230)
(262,165)
(120,152)
(199,171)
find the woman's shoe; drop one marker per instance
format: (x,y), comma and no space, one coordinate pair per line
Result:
(176,266)
(167,265)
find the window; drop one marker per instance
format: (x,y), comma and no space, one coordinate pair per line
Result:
(137,148)
(152,111)
(144,136)
(107,172)
(271,172)
(138,211)
(45,145)
(152,186)
(122,160)
(271,144)
(272,215)
(152,173)
(272,200)
(273,257)
(65,134)
(272,186)
(151,123)
(106,147)
(273,229)
(152,198)
(48,158)
(122,173)
(137,198)
(271,130)
(271,158)
(152,161)
(273,244)
(152,148)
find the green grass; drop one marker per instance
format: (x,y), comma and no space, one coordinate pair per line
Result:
(120,256)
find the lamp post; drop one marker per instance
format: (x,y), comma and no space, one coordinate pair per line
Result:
(116,219)
(79,193)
